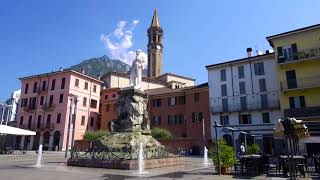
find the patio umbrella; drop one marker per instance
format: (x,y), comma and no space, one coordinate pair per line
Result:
(15,131)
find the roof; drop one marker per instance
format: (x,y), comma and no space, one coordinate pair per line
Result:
(240,60)
(59,72)
(155,19)
(269,38)
(178,76)
(166,90)
(127,75)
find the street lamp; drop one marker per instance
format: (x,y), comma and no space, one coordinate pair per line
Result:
(216,125)
(73,102)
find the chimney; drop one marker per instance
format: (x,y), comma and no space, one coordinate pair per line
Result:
(249,52)
(267,51)
(82,71)
(60,69)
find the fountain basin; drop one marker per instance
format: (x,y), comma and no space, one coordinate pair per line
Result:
(127,164)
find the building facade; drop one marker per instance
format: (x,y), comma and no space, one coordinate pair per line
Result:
(298,60)
(244,96)
(45,106)
(8,109)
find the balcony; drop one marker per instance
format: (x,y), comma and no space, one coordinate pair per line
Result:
(301,83)
(44,126)
(306,112)
(253,103)
(42,90)
(29,108)
(48,107)
(302,55)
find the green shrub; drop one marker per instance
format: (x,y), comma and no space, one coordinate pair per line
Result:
(253,149)
(161,134)
(227,154)
(94,135)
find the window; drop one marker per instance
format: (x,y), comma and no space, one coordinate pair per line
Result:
(242,87)
(197,117)
(224,105)
(113,95)
(224,90)
(21,121)
(44,85)
(26,89)
(182,99)
(264,100)
(223,74)
(30,122)
(41,100)
(91,121)
(297,102)
(48,120)
(262,85)
(61,98)
(94,88)
(106,97)
(51,101)
(245,119)
(86,85)
(63,82)
(266,117)
(24,102)
(93,103)
(39,121)
(224,120)
(291,79)
(84,102)
(181,119)
(156,102)
(240,72)
(83,119)
(53,84)
(243,102)
(172,101)
(107,107)
(259,68)
(196,97)
(35,85)
(32,104)
(287,53)
(58,117)
(76,83)
(156,120)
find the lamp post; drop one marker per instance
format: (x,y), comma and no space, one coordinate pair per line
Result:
(75,101)
(217,142)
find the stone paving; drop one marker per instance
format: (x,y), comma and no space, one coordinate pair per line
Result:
(54,167)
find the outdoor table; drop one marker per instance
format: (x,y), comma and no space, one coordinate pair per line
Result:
(253,164)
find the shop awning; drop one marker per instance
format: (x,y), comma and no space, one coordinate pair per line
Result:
(15,131)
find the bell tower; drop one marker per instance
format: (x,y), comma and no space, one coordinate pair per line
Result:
(155,34)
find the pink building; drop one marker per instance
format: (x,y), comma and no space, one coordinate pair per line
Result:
(45,105)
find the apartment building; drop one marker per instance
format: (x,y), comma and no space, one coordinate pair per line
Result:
(49,101)
(244,96)
(297,63)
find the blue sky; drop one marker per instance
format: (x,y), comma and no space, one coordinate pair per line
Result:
(39,36)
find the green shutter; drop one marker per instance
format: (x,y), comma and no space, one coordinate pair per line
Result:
(294,51)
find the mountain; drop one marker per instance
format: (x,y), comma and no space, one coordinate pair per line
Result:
(101,65)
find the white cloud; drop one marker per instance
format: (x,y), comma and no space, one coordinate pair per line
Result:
(119,42)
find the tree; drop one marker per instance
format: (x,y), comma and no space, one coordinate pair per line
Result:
(161,134)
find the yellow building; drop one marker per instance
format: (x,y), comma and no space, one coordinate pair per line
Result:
(298,56)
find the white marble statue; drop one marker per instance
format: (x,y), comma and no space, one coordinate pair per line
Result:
(136,70)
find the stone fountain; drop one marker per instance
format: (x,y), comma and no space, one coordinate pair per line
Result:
(130,132)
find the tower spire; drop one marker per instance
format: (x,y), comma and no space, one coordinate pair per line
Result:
(155,20)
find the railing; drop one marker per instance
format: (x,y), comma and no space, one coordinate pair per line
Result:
(303,112)
(253,102)
(48,107)
(29,108)
(41,90)
(301,83)
(43,126)
(301,55)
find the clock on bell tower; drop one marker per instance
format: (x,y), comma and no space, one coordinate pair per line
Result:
(155,46)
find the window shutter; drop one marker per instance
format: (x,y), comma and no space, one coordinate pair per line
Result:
(294,51)
(302,101)
(280,54)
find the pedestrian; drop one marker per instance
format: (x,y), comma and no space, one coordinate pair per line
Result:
(242,149)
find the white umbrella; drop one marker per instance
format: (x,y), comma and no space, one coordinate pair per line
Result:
(15,131)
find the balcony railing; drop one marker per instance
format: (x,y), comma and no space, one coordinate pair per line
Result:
(306,54)
(29,108)
(41,90)
(44,126)
(253,102)
(303,112)
(48,107)
(301,83)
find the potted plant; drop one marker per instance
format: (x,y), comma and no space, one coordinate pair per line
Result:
(253,149)
(227,157)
